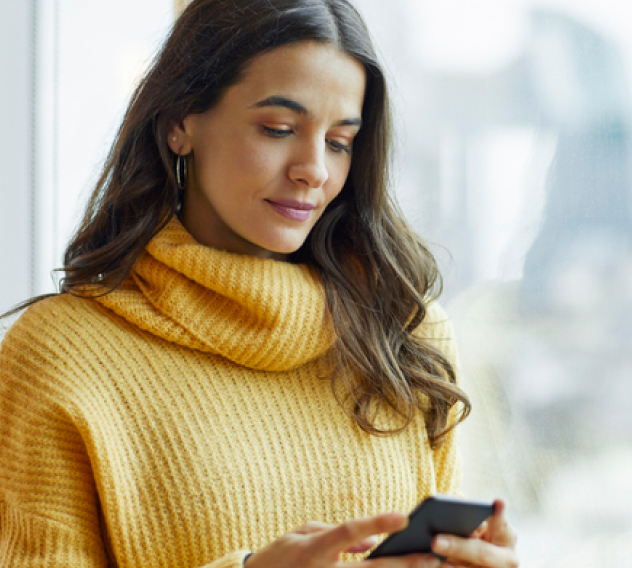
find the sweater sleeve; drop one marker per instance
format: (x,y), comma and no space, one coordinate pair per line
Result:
(447,458)
(50,515)
(448,465)
(48,500)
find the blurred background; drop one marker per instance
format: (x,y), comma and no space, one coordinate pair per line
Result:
(513,160)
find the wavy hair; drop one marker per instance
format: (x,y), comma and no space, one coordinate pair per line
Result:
(377,274)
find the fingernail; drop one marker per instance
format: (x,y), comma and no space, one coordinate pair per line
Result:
(442,544)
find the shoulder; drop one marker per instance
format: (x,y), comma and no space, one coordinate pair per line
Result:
(56,315)
(57,329)
(56,354)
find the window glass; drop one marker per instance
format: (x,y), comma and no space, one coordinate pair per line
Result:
(68,68)
(514,161)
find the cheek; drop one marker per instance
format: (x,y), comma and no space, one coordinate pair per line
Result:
(337,177)
(258,161)
(235,159)
(257,170)
(253,157)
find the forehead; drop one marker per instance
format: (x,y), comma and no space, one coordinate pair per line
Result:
(318,75)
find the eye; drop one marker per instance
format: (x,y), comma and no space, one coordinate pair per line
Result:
(277,132)
(339,147)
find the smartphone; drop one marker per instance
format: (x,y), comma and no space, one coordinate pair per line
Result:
(435,515)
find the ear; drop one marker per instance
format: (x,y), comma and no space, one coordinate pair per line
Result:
(179,140)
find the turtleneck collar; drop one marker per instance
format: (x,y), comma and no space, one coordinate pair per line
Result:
(260,313)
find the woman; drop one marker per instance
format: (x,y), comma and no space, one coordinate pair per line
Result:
(244,343)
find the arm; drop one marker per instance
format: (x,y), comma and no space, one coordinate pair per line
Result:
(48,500)
(50,511)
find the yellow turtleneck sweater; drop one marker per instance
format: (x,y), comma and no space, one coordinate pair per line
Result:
(187,418)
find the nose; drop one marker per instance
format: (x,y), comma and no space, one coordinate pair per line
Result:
(309,166)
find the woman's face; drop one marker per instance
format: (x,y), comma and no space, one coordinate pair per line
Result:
(272,154)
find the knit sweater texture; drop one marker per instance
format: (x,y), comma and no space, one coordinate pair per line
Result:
(188,418)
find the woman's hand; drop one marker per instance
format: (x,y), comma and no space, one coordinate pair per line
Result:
(318,545)
(491,546)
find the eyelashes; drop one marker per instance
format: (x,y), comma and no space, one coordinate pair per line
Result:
(337,147)
(277,132)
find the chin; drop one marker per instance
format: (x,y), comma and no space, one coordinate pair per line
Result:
(284,246)
(280,253)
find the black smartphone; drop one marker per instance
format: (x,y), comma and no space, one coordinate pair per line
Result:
(435,515)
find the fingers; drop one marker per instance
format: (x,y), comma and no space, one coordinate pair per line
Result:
(315,527)
(492,546)
(362,546)
(354,532)
(474,552)
(498,531)
(320,545)
(408,561)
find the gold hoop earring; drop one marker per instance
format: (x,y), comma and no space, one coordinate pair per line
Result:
(181,172)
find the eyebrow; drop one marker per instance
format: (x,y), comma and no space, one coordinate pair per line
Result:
(277,101)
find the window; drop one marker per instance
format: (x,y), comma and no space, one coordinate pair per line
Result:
(513,161)
(68,69)
(514,158)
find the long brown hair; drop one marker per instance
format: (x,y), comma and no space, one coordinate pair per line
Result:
(378,275)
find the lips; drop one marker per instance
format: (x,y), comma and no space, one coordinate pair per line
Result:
(291,209)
